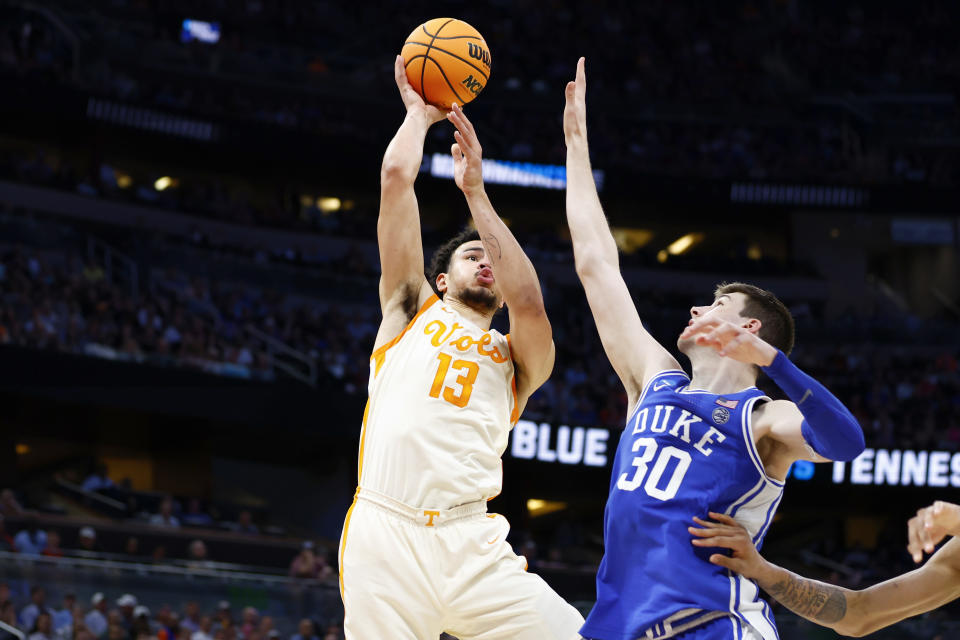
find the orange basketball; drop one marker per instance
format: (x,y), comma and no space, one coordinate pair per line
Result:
(447,61)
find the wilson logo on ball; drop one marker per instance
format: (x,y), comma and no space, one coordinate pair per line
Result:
(478,53)
(472,85)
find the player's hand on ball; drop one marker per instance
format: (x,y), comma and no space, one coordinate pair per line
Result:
(467,153)
(411,99)
(730,340)
(930,526)
(575,111)
(725,532)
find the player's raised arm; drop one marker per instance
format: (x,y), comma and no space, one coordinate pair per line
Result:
(403,286)
(848,612)
(531,340)
(813,425)
(632,351)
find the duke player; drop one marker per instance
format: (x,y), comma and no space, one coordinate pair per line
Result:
(710,442)
(419,554)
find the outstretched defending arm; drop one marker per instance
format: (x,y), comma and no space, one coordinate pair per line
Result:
(815,425)
(849,612)
(634,353)
(531,342)
(403,286)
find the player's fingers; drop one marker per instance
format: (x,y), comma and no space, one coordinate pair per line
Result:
(704,533)
(468,139)
(456,152)
(705,523)
(728,542)
(722,517)
(400,72)
(913,541)
(723,561)
(467,125)
(571,91)
(731,345)
(581,77)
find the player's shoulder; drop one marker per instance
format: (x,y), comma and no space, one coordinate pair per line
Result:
(776,411)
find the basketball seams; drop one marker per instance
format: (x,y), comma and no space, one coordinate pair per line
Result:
(445,78)
(439,37)
(464,60)
(423,69)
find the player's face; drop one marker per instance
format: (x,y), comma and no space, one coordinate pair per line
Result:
(726,307)
(470,277)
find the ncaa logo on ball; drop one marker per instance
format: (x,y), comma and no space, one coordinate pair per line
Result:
(721,415)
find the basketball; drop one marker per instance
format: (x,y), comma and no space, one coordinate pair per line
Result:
(447,61)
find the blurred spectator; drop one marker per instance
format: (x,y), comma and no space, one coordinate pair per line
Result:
(98,479)
(8,504)
(245,523)
(165,517)
(266,626)
(306,564)
(142,625)
(127,603)
(203,629)
(117,632)
(224,614)
(159,554)
(42,628)
(197,557)
(8,614)
(87,539)
(96,619)
(38,605)
(52,547)
(62,619)
(194,516)
(191,617)
(250,618)
(305,631)
(6,540)
(131,547)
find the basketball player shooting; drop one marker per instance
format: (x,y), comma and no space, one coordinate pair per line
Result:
(419,554)
(846,611)
(707,442)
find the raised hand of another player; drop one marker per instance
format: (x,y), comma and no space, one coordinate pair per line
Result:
(725,532)
(575,111)
(730,340)
(467,153)
(931,525)
(411,99)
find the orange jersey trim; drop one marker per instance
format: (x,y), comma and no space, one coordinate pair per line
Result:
(380,354)
(515,414)
(363,435)
(343,543)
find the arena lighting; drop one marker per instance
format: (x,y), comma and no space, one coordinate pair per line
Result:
(162,183)
(538,507)
(201,31)
(329,204)
(123,180)
(519,174)
(683,243)
(22,449)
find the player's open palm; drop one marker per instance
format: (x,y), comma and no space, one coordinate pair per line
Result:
(466,151)
(575,111)
(930,526)
(725,532)
(730,340)
(411,99)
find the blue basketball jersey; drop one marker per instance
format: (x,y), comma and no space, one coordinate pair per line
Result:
(683,453)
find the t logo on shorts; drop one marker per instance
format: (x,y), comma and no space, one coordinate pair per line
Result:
(432,515)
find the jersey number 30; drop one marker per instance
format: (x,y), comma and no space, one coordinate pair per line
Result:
(457,397)
(652,485)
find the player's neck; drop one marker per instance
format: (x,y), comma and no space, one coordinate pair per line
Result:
(720,375)
(480,318)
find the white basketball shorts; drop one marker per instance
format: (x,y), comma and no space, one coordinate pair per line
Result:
(410,574)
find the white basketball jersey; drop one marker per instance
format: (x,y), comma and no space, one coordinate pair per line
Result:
(443,399)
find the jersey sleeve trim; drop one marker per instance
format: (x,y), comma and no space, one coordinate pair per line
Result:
(747,427)
(380,354)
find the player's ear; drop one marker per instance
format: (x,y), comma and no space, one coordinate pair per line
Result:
(752,325)
(442,283)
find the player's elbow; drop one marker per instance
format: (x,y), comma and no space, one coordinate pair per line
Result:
(590,263)
(394,173)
